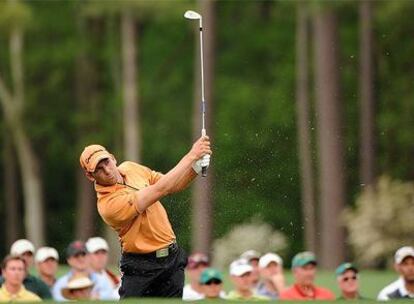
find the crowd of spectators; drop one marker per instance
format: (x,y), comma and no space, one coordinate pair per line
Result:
(87,278)
(254,277)
(257,277)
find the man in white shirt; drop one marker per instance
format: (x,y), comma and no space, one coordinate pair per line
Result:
(403,288)
(197,262)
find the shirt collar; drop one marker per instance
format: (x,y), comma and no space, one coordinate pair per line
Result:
(403,291)
(12,295)
(302,293)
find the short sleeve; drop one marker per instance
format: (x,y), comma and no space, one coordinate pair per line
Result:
(155,177)
(118,208)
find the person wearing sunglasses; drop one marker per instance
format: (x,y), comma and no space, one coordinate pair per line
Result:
(348,281)
(211,282)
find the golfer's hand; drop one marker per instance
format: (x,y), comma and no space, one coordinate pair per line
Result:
(201,152)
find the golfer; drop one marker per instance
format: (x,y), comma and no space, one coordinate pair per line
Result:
(152,265)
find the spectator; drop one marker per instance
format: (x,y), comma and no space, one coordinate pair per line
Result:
(196,263)
(403,288)
(348,281)
(79,287)
(252,256)
(271,272)
(25,250)
(211,281)
(78,260)
(14,271)
(241,276)
(47,262)
(98,257)
(304,273)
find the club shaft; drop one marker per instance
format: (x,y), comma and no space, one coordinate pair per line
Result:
(203,101)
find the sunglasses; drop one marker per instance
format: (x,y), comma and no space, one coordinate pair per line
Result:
(346,279)
(213,281)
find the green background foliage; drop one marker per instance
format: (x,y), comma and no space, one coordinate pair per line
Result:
(255,160)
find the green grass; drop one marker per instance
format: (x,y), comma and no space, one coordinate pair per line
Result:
(371,282)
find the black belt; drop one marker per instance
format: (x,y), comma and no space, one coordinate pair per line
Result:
(160,253)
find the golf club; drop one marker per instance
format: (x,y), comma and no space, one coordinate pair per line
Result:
(196,16)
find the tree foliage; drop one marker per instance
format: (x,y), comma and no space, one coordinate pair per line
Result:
(381,221)
(252,234)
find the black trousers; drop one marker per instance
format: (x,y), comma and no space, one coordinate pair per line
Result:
(145,275)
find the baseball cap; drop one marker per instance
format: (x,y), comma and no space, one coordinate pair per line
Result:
(43,253)
(196,259)
(240,267)
(210,274)
(74,283)
(345,267)
(96,243)
(75,248)
(250,255)
(268,258)
(303,258)
(21,246)
(402,253)
(92,155)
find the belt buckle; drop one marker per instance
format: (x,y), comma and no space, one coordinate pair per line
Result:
(161,253)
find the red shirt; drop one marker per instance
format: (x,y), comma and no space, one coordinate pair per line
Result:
(295,292)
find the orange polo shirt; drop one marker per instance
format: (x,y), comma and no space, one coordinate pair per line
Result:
(296,293)
(138,232)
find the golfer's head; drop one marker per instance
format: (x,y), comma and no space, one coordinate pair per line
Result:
(98,164)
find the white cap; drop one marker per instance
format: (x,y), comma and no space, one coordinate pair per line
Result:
(240,267)
(250,255)
(268,258)
(45,253)
(402,253)
(96,243)
(21,246)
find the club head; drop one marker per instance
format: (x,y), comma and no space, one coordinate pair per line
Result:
(192,15)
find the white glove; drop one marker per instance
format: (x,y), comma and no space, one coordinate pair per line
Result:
(202,162)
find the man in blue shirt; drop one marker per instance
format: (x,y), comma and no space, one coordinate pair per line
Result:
(76,256)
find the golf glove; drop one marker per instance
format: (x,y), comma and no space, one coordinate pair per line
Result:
(202,162)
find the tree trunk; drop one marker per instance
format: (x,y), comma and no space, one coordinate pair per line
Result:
(367,102)
(332,166)
(10,192)
(86,95)
(304,127)
(28,161)
(202,212)
(132,142)
(32,186)
(86,207)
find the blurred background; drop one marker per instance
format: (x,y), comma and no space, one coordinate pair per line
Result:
(309,108)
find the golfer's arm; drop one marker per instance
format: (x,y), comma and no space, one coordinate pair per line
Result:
(168,183)
(184,181)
